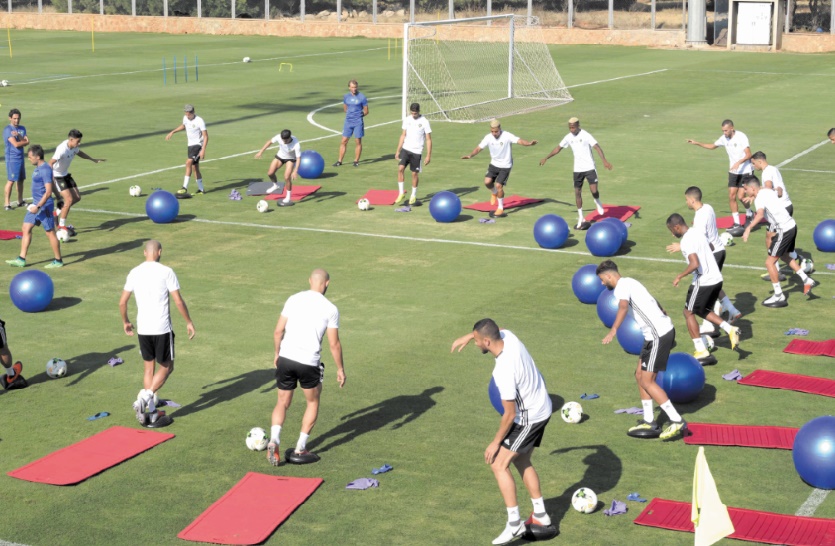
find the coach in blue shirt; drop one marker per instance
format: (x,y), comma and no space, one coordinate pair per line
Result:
(355,105)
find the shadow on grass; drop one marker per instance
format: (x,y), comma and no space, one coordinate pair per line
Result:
(228,389)
(113,225)
(386,157)
(82,366)
(77,257)
(62,303)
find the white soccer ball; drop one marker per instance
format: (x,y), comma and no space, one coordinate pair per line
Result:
(363,204)
(807,266)
(584,500)
(247,60)
(572,413)
(709,344)
(135,191)
(63,235)
(727,239)
(4,83)
(56,368)
(257,439)
(262,206)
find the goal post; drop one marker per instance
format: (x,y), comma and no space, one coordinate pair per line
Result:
(474,69)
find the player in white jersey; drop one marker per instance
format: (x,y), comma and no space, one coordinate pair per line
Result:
(659,337)
(501,161)
(739,155)
(198,140)
(289,151)
(581,143)
(527,409)
(705,288)
(416,133)
(782,241)
(65,188)
(772,178)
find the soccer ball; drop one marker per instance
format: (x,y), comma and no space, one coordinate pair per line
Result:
(247,60)
(63,235)
(709,344)
(4,83)
(56,368)
(571,413)
(807,266)
(363,204)
(135,191)
(584,500)
(257,439)
(727,239)
(262,206)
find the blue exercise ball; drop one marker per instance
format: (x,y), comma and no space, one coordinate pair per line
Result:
(550,231)
(162,207)
(684,378)
(607,307)
(31,291)
(495,397)
(586,285)
(622,229)
(814,452)
(311,164)
(824,236)
(630,336)
(445,207)
(603,239)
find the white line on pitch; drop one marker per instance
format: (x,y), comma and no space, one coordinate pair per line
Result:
(618,78)
(808,171)
(804,152)
(816,498)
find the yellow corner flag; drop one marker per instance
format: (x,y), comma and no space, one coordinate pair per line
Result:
(709,515)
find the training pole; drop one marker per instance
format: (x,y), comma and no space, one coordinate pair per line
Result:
(175,69)
(93,33)
(196,77)
(185,67)
(163,71)
(9,34)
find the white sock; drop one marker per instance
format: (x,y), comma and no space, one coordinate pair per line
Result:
(494,190)
(749,213)
(778,291)
(414,191)
(302,443)
(647,404)
(275,432)
(400,187)
(718,307)
(803,276)
(185,181)
(150,401)
(671,411)
(727,305)
(61,222)
(200,184)
(10,371)
(580,214)
(597,202)
(513,514)
(538,505)
(287,198)
(699,345)
(501,202)
(736,217)
(726,326)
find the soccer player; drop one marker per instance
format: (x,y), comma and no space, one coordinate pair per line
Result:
(501,161)
(527,410)
(289,151)
(705,288)
(355,105)
(198,140)
(11,378)
(659,337)
(154,285)
(305,319)
(14,135)
(831,135)
(781,241)
(739,154)
(40,212)
(416,133)
(581,143)
(65,187)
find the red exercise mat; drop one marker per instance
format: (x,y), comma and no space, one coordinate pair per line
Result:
(250,511)
(740,435)
(381,197)
(7,235)
(812,348)
(727,222)
(790,382)
(621,212)
(76,463)
(509,203)
(299,193)
(751,525)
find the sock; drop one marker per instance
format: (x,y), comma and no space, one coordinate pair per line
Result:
(580,214)
(671,411)
(185,181)
(150,401)
(778,291)
(726,326)
(513,515)
(275,432)
(727,305)
(400,187)
(200,184)
(501,202)
(736,217)
(61,222)
(538,505)
(10,371)
(597,202)
(414,191)
(302,443)
(803,276)
(699,345)
(793,255)
(494,190)
(647,404)
(287,197)
(719,307)
(749,213)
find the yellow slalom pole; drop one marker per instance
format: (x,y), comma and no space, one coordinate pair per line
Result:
(93,33)
(9,33)
(389,48)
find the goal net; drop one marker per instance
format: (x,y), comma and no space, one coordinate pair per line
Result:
(469,70)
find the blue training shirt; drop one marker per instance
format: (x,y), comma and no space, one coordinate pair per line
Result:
(13,153)
(41,176)
(355,103)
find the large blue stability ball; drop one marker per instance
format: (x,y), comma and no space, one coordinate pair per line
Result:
(684,378)
(824,236)
(586,284)
(495,397)
(31,291)
(622,229)
(630,336)
(550,231)
(603,239)
(814,452)
(162,207)
(445,207)
(607,307)
(311,164)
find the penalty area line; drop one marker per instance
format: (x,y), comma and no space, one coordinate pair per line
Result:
(816,498)
(618,78)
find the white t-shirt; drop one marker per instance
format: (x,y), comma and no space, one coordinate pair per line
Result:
(63,156)
(695,242)
(309,314)
(518,379)
(287,151)
(773,174)
(735,146)
(581,145)
(778,217)
(194,130)
(151,282)
(500,155)
(416,131)
(644,308)
(705,222)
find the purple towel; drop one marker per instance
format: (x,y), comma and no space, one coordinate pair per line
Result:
(732,376)
(618,507)
(797,332)
(363,483)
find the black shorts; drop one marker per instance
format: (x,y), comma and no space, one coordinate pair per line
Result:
(3,342)
(523,438)
(737,180)
(498,175)
(701,299)
(288,373)
(65,182)
(782,242)
(282,160)
(591,176)
(159,348)
(194,153)
(655,353)
(720,258)
(410,159)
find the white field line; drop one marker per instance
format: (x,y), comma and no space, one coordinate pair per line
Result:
(618,78)
(809,171)
(816,498)
(804,152)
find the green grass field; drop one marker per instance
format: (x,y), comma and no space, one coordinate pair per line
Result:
(405,285)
